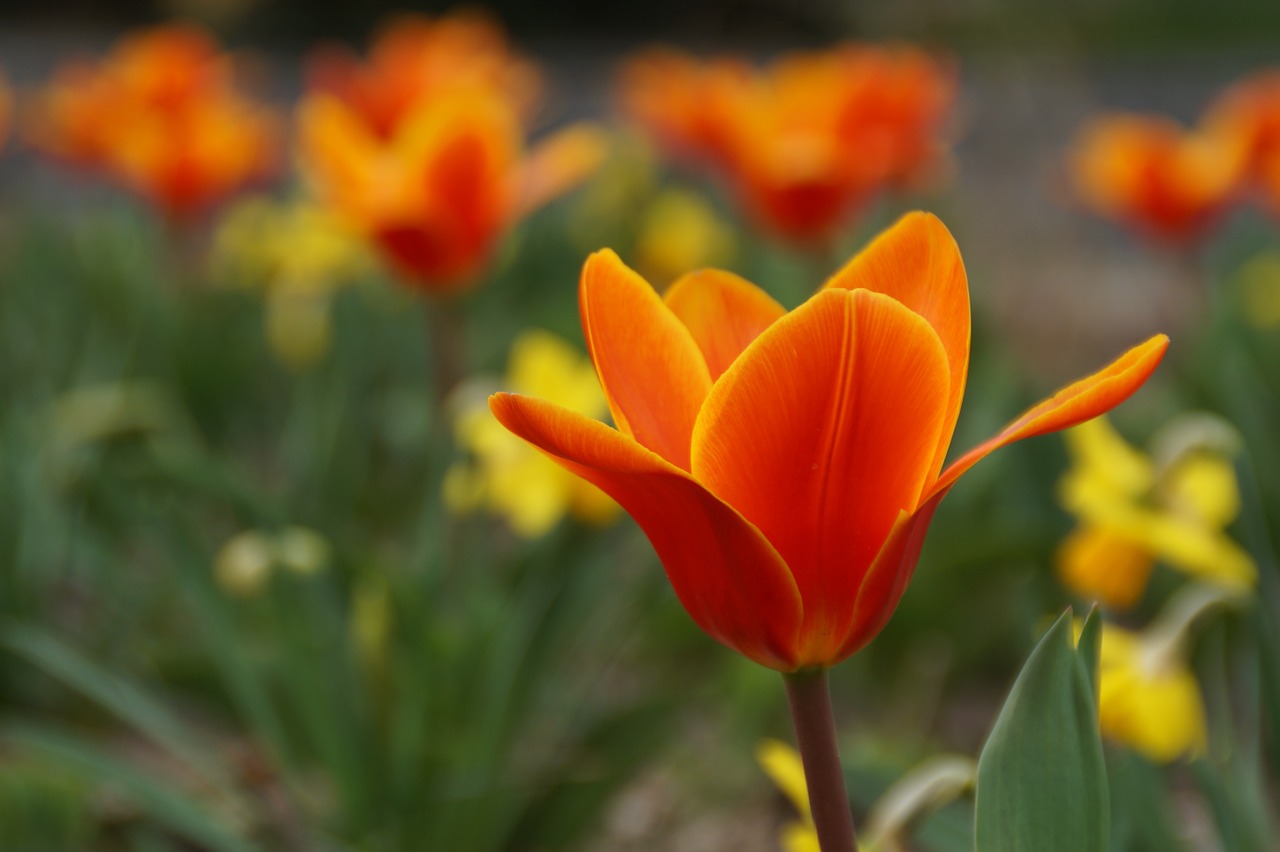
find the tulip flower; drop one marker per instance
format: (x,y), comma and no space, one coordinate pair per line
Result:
(415,59)
(436,198)
(786,466)
(1250,111)
(1147,172)
(161,116)
(807,142)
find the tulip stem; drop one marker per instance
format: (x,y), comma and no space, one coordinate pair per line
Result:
(815,725)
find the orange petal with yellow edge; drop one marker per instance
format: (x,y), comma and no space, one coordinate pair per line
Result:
(918,263)
(723,312)
(820,434)
(727,575)
(653,374)
(1076,403)
(887,579)
(558,164)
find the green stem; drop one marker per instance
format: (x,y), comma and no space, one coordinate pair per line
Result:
(816,737)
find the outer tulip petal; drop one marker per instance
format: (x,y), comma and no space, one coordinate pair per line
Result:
(820,434)
(729,578)
(653,374)
(723,312)
(918,263)
(887,579)
(559,163)
(1076,403)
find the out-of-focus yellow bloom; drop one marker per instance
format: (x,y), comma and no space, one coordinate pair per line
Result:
(505,474)
(1133,511)
(244,563)
(161,114)
(783,766)
(371,620)
(300,254)
(1259,283)
(1148,698)
(680,231)
(928,787)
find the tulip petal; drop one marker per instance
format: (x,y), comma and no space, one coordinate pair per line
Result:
(723,312)
(1076,403)
(918,263)
(729,578)
(822,432)
(887,578)
(652,372)
(558,163)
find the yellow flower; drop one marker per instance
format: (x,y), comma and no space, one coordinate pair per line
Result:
(244,563)
(1133,511)
(1259,283)
(1148,698)
(925,788)
(299,254)
(782,764)
(507,476)
(680,231)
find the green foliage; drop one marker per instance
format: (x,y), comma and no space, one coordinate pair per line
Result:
(1042,782)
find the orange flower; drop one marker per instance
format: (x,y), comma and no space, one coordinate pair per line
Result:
(1147,172)
(161,115)
(808,141)
(6,106)
(785,466)
(417,58)
(1250,110)
(436,197)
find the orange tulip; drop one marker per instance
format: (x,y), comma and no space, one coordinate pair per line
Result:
(417,58)
(1147,172)
(810,140)
(436,197)
(6,106)
(1250,110)
(785,466)
(161,115)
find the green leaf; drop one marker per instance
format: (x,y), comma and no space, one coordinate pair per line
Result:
(1089,646)
(1042,782)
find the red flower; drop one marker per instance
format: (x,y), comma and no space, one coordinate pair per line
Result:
(786,466)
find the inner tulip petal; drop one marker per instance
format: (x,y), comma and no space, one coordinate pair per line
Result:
(1080,401)
(729,578)
(652,372)
(821,433)
(723,312)
(918,263)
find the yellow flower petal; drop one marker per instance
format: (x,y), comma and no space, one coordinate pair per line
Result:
(782,764)
(1097,564)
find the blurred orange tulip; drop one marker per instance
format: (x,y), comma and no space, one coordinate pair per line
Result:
(161,115)
(1250,110)
(416,58)
(1147,172)
(423,149)
(806,142)
(6,107)
(786,466)
(437,196)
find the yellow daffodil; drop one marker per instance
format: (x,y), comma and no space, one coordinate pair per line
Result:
(1148,698)
(782,764)
(1259,283)
(507,476)
(244,563)
(1134,510)
(928,787)
(299,254)
(680,231)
